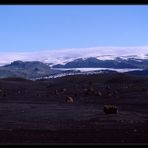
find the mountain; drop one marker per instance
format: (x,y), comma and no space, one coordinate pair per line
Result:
(26,70)
(36,69)
(34,65)
(93,62)
(63,56)
(139,72)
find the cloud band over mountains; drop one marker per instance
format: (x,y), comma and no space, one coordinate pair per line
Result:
(65,55)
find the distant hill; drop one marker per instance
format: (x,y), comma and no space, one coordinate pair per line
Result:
(36,69)
(139,72)
(26,70)
(93,62)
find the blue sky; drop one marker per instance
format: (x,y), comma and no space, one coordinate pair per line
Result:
(35,28)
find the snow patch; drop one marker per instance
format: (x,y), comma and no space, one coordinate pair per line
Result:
(64,56)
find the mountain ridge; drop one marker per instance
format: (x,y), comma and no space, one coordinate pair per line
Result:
(37,69)
(26,69)
(93,62)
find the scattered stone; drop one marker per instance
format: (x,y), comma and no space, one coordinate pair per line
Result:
(63,90)
(126,87)
(115,92)
(85,90)
(99,93)
(56,92)
(38,95)
(18,92)
(110,109)
(108,87)
(4,95)
(109,94)
(69,99)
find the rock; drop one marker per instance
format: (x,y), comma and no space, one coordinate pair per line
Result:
(99,93)
(18,92)
(63,90)
(85,90)
(56,92)
(69,99)
(4,95)
(108,87)
(115,92)
(109,95)
(91,89)
(110,109)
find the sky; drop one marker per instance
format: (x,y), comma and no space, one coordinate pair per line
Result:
(28,28)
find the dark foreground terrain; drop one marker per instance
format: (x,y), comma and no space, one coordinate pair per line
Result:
(37,111)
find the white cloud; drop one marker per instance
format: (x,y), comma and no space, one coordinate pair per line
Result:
(65,55)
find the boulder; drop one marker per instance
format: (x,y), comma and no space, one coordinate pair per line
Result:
(69,99)
(110,109)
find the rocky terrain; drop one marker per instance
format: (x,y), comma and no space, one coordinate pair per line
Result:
(70,109)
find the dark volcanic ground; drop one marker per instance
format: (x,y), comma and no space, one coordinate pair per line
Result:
(37,111)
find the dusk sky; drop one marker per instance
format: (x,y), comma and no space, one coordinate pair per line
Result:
(35,28)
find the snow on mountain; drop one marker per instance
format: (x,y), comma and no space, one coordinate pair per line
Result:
(64,56)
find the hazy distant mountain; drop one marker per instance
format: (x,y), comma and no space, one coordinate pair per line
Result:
(139,72)
(26,70)
(63,56)
(36,69)
(93,62)
(34,65)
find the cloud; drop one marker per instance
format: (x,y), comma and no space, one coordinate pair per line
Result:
(65,55)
